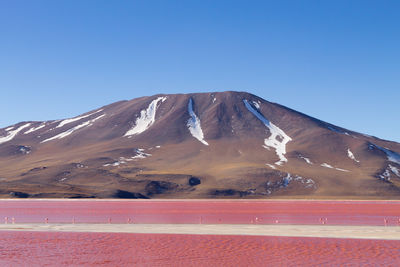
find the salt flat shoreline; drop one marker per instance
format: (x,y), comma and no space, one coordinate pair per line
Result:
(322,231)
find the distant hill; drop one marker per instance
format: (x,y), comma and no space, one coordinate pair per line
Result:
(208,145)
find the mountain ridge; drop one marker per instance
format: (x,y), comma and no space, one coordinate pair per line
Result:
(235,143)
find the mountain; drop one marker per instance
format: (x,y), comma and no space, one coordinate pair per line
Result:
(208,145)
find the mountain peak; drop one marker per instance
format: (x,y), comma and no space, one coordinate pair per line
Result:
(234,143)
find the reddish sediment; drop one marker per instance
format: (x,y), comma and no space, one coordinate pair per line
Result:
(27,248)
(113,249)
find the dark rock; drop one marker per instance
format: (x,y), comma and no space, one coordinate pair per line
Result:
(61,195)
(82,196)
(127,194)
(194,181)
(232,192)
(159,187)
(19,194)
(225,192)
(34,170)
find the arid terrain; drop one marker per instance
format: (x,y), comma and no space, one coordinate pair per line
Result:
(209,145)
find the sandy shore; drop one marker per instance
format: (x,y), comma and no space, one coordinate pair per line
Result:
(327,231)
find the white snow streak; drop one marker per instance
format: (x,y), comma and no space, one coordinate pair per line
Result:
(194,124)
(140,154)
(289,178)
(278,138)
(70,131)
(62,123)
(394,170)
(12,134)
(351,155)
(271,166)
(146,118)
(391,155)
(326,165)
(385,175)
(306,159)
(257,105)
(35,128)
(9,128)
(122,160)
(25,149)
(116,163)
(342,170)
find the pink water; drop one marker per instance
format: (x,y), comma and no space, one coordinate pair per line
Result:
(113,249)
(206,212)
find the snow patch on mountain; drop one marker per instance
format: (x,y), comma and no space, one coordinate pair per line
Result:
(257,105)
(9,128)
(194,125)
(146,119)
(326,165)
(12,134)
(67,121)
(278,138)
(385,175)
(140,154)
(306,159)
(115,163)
(271,166)
(391,155)
(351,155)
(289,178)
(35,128)
(24,149)
(394,170)
(342,170)
(70,131)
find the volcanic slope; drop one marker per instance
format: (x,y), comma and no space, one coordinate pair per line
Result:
(208,145)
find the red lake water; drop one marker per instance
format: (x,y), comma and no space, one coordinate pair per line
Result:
(115,249)
(25,248)
(200,211)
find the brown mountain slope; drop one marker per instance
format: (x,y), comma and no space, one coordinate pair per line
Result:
(225,144)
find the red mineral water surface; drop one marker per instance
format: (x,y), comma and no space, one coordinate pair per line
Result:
(120,249)
(116,249)
(203,211)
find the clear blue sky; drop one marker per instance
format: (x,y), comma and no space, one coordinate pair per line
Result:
(335,60)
